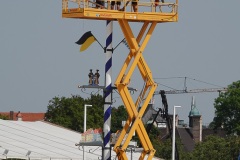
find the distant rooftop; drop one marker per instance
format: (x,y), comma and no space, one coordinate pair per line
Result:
(25,116)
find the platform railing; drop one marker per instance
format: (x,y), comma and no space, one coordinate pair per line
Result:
(156,6)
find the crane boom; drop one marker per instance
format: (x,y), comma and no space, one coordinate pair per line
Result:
(193,91)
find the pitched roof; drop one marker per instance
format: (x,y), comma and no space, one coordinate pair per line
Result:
(150,113)
(186,139)
(26,116)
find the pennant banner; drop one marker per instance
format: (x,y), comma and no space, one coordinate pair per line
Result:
(86,40)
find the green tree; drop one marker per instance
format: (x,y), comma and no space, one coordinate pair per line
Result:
(118,115)
(215,148)
(4,117)
(211,125)
(227,107)
(69,112)
(163,148)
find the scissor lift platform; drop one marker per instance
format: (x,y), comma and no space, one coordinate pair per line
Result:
(147,11)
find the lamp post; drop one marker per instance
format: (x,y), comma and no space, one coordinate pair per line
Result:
(173,135)
(85,123)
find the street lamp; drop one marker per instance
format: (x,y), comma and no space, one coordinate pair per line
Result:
(85,123)
(173,135)
(85,116)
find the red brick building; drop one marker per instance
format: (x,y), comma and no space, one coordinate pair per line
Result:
(23,116)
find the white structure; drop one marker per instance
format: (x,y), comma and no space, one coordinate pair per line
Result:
(85,124)
(173,134)
(45,141)
(37,140)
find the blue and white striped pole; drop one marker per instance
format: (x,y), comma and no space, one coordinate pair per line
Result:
(108,93)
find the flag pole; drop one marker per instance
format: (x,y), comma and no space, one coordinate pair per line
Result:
(108,93)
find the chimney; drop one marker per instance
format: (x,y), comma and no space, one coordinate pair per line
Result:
(19,116)
(11,115)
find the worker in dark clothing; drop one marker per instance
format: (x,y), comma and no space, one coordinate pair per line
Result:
(100,4)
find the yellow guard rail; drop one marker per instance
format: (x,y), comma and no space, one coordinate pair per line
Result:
(148,10)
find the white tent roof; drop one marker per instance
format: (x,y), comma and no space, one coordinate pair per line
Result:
(41,140)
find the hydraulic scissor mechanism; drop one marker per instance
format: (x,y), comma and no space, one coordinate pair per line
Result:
(135,59)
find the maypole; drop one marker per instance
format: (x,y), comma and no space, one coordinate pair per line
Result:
(108,93)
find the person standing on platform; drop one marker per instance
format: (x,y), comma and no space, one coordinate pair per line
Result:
(135,5)
(99,4)
(118,2)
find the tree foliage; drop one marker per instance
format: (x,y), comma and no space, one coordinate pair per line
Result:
(213,147)
(216,148)
(69,112)
(4,117)
(118,115)
(163,148)
(227,107)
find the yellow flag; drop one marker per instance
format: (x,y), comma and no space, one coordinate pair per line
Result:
(87,43)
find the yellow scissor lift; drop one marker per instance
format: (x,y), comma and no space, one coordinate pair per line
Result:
(149,13)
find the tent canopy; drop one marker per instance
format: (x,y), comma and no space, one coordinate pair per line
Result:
(42,140)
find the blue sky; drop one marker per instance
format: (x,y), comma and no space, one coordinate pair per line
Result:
(40,60)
